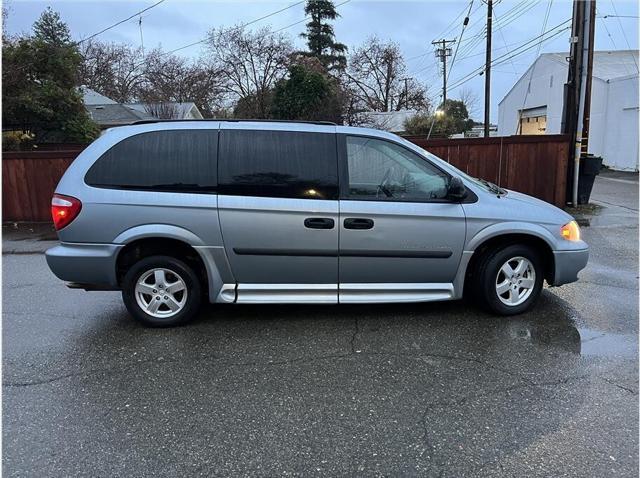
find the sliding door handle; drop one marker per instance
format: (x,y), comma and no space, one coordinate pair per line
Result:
(358,223)
(319,223)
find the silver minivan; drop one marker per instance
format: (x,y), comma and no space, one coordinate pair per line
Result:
(176,212)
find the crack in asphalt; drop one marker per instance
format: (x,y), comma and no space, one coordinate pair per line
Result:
(616,384)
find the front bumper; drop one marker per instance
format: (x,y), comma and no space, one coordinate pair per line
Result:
(87,264)
(567,264)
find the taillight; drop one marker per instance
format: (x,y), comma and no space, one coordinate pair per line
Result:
(64,209)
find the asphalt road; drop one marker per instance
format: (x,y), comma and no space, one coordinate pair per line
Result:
(420,389)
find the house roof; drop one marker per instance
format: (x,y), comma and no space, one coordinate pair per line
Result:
(115,114)
(92,97)
(607,64)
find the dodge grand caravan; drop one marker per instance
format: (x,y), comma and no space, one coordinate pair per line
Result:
(174,213)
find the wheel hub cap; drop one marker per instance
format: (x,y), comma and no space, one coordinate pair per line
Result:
(161,293)
(515,281)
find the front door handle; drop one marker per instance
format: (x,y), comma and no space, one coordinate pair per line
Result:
(358,223)
(319,223)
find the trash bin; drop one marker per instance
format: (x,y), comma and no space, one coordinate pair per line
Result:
(589,168)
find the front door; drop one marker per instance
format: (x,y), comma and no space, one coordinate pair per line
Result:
(278,213)
(400,238)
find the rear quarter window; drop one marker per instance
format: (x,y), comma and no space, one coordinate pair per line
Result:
(169,160)
(286,164)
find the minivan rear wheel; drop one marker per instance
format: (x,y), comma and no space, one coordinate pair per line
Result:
(161,291)
(509,279)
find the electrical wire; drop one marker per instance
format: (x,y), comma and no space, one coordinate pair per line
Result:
(118,23)
(501,59)
(244,25)
(624,35)
(455,54)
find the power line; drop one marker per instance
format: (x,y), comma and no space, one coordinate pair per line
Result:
(244,25)
(464,26)
(119,23)
(504,42)
(624,35)
(501,59)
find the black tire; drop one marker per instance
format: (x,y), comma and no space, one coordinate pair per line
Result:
(176,270)
(486,277)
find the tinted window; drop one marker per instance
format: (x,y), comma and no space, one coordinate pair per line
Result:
(385,171)
(176,160)
(278,164)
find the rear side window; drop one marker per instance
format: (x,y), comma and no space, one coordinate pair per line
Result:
(174,160)
(287,164)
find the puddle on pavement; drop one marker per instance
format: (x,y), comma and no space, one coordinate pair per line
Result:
(582,341)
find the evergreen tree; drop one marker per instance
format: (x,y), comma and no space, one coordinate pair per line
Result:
(308,94)
(39,93)
(320,36)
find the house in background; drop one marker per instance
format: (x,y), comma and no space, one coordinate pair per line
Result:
(534,104)
(108,113)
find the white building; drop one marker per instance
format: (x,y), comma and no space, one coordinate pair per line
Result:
(534,104)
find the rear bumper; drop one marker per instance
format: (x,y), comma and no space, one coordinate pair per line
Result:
(568,264)
(89,264)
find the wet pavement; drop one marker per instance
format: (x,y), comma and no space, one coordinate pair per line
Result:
(415,389)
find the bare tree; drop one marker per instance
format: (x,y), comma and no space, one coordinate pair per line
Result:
(377,73)
(112,69)
(162,110)
(249,64)
(170,78)
(471,100)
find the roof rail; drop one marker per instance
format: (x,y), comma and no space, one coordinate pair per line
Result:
(233,120)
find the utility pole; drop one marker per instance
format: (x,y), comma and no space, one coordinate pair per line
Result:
(577,103)
(442,52)
(487,71)
(587,105)
(406,92)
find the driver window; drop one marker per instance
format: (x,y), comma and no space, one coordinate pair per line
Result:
(384,171)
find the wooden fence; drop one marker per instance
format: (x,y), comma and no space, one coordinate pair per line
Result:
(535,165)
(29,179)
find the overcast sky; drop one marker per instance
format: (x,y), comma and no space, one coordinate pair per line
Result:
(412,24)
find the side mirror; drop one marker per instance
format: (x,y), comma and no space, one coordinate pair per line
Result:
(456,189)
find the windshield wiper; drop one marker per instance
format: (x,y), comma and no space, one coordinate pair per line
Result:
(493,187)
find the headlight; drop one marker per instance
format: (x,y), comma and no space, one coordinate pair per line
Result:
(570,231)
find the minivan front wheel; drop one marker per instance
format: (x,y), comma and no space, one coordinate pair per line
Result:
(510,279)
(161,291)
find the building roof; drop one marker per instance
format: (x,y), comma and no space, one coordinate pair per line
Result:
(115,114)
(607,65)
(92,97)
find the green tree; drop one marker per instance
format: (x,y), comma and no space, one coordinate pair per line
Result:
(320,36)
(308,94)
(39,93)
(453,119)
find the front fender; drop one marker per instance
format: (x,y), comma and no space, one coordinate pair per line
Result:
(510,227)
